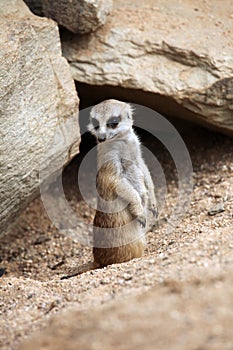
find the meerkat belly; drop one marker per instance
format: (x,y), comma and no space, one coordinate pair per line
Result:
(117,237)
(135,177)
(111,208)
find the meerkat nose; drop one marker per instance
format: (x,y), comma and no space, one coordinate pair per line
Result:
(101,138)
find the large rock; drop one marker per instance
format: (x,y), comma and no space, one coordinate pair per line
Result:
(36,6)
(78,16)
(176,57)
(38,102)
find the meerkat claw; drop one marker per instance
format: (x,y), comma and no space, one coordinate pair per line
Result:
(154,211)
(142,221)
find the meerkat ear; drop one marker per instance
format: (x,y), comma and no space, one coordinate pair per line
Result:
(130,111)
(90,126)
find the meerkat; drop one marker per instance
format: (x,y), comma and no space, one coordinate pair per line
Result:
(124,186)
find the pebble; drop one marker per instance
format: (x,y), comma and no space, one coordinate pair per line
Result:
(163,256)
(224,168)
(127,277)
(105,281)
(218,208)
(152,261)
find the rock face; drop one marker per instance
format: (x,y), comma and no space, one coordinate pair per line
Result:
(177,56)
(78,16)
(38,105)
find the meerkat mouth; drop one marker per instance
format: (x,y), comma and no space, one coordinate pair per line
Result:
(106,140)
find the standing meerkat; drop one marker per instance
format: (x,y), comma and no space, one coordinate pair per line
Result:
(124,185)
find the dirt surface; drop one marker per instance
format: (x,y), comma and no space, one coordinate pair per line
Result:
(142,321)
(195,258)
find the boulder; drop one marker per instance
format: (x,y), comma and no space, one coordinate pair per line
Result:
(174,57)
(38,106)
(35,6)
(78,16)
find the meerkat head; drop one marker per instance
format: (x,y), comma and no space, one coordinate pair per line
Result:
(110,119)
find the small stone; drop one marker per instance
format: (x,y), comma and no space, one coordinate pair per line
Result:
(224,168)
(162,256)
(151,261)
(127,277)
(218,208)
(104,281)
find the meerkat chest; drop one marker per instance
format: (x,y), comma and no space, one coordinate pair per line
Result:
(124,159)
(131,169)
(133,172)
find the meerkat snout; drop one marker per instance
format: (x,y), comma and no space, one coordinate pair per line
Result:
(101,137)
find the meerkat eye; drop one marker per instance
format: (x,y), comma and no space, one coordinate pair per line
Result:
(95,123)
(113,122)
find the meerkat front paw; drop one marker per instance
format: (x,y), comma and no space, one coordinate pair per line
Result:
(136,208)
(142,220)
(137,211)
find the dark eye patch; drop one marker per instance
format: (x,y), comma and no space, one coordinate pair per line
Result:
(95,123)
(113,122)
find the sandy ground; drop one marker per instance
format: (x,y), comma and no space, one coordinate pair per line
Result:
(197,258)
